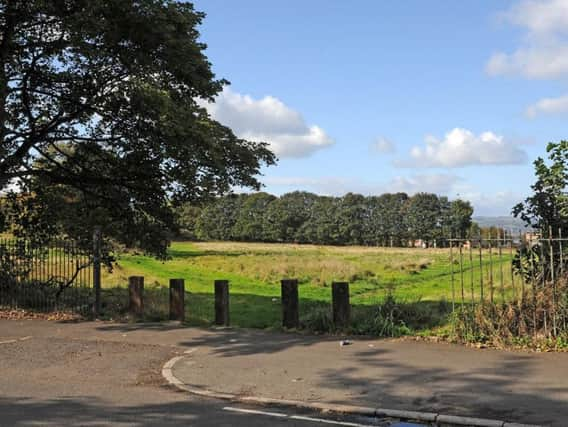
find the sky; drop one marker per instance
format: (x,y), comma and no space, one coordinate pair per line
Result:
(451,97)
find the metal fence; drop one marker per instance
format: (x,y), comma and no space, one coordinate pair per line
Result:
(517,282)
(46,277)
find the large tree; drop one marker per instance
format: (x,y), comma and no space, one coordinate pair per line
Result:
(458,222)
(545,210)
(351,217)
(423,216)
(217,220)
(102,98)
(286,215)
(251,225)
(322,225)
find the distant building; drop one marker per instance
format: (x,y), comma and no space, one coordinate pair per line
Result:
(417,243)
(532,237)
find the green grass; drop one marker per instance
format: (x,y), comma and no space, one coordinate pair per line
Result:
(418,279)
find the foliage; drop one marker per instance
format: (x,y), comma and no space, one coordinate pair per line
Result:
(528,320)
(321,226)
(250,225)
(101,101)
(286,215)
(423,215)
(385,320)
(318,319)
(387,220)
(218,219)
(186,220)
(547,208)
(43,277)
(530,263)
(459,221)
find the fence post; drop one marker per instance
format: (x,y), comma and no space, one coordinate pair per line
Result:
(290,312)
(136,293)
(340,303)
(97,270)
(177,299)
(222,302)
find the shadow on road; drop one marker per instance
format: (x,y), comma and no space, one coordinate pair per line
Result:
(497,390)
(96,412)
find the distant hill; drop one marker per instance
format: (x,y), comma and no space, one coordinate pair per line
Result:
(506,222)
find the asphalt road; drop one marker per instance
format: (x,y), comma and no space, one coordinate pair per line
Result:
(59,381)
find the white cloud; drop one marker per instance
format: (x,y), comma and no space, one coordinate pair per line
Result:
(461,147)
(495,204)
(335,186)
(268,119)
(486,204)
(540,17)
(534,63)
(436,183)
(544,52)
(383,146)
(548,106)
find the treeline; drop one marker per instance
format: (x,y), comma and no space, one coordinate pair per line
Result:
(302,217)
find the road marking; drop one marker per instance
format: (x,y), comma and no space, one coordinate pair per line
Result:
(294,417)
(189,351)
(252,411)
(324,421)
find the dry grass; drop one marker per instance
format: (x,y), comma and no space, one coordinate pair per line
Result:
(318,265)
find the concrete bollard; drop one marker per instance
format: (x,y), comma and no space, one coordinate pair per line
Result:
(136,294)
(340,303)
(290,312)
(222,302)
(177,299)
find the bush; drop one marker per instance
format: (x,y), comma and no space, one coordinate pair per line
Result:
(318,319)
(542,314)
(384,320)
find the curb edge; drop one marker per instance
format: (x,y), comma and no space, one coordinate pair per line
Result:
(432,417)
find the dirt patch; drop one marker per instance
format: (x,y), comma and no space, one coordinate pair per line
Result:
(58,364)
(21,314)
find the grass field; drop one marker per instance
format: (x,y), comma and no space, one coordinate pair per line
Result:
(417,278)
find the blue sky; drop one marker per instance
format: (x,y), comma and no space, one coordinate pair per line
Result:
(456,98)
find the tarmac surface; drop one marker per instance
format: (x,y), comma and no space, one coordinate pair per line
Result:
(100,373)
(55,374)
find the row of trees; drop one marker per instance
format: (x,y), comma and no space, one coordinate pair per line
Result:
(388,219)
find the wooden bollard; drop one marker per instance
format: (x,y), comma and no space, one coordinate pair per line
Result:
(290,312)
(340,304)
(177,299)
(222,302)
(136,293)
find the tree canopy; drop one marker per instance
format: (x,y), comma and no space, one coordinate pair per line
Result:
(547,207)
(301,217)
(100,105)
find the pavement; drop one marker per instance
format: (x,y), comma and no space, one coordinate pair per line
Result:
(93,370)
(399,374)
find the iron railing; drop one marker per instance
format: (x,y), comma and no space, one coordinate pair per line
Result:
(48,277)
(522,276)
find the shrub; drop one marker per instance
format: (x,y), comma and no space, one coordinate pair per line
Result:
(317,319)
